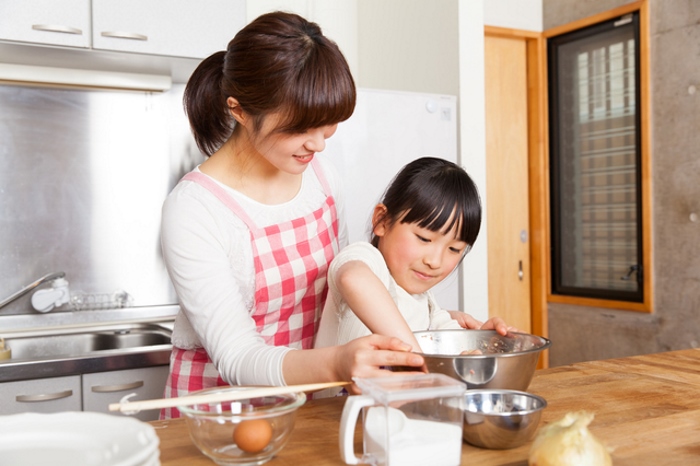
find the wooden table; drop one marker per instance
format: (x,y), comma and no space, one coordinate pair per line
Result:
(646,407)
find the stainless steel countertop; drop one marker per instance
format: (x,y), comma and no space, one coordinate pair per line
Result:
(147,314)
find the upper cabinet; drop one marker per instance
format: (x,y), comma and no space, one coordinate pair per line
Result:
(177,28)
(65,22)
(182,28)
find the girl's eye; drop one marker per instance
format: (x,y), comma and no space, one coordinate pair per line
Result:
(456,250)
(423,239)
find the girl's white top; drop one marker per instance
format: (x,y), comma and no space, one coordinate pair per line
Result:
(209,258)
(340,325)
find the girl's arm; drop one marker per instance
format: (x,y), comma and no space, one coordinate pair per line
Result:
(369,299)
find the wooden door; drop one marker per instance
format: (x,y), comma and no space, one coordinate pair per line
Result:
(507,191)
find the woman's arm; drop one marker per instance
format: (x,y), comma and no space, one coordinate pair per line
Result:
(362,357)
(209,259)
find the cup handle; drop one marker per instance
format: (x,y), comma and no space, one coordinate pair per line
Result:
(348,420)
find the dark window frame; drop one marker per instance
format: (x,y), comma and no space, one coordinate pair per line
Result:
(557,287)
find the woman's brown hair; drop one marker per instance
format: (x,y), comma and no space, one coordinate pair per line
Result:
(280,62)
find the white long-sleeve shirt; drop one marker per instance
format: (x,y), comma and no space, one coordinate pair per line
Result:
(208,255)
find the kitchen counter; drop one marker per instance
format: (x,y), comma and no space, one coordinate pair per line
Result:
(646,408)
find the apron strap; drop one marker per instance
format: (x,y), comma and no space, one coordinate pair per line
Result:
(219,192)
(321,177)
(222,195)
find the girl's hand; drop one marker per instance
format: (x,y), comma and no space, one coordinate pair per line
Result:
(369,356)
(499,325)
(494,323)
(465,320)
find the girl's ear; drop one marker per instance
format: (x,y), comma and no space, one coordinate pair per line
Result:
(379,220)
(236,111)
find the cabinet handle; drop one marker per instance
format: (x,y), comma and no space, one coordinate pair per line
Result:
(124,35)
(116,388)
(44,397)
(57,28)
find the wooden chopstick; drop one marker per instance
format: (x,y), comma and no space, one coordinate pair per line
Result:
(132,407)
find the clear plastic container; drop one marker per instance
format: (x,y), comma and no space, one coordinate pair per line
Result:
(407,420)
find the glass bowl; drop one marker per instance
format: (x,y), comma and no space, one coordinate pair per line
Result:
(244,432)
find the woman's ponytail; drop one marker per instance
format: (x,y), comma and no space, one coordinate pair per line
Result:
(205,105)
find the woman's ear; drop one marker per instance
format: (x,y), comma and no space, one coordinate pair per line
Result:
(236,111)
(379,220)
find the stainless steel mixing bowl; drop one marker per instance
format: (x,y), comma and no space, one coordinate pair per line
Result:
(501,419)
(502,362)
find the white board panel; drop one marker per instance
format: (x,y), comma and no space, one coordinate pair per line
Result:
(388,130)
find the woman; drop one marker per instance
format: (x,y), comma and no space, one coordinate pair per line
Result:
(248,235)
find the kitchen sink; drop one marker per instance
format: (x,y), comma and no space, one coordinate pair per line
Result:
(57,351)
(75,342)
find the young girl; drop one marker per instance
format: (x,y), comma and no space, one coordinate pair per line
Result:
(426,223)
(248,235)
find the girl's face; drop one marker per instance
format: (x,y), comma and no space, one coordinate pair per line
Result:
(290,152)
(417,258)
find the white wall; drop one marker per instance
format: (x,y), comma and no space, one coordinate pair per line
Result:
(514,14)
(472,132)
(409,45)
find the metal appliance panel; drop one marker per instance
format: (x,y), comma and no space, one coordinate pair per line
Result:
(83,175)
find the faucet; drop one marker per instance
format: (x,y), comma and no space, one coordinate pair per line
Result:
(58,295)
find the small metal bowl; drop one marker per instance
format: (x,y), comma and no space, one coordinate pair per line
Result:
(501,419)
(502,362)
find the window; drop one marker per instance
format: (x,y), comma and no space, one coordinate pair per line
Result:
(596,198)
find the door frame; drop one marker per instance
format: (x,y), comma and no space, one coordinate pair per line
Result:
(538,174)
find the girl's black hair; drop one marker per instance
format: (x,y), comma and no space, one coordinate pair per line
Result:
(279,63)
(435,194)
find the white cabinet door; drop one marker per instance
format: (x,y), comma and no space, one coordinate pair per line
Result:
(182,28)
(101,389)
(49,395)
(65,22)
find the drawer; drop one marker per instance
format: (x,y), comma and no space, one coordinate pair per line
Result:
(101,389)
(48,395)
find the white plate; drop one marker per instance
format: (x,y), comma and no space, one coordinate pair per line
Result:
(152,460)
(76,438)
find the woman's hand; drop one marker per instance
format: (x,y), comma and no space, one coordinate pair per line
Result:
(369,356)
(494,323)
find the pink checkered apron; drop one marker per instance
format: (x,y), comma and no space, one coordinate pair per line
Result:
(288,257)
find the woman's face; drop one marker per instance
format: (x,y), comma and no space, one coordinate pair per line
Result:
(290,152)
(418,258)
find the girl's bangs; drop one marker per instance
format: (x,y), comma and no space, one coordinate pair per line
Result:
(443,213)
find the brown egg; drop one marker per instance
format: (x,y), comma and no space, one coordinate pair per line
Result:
(252,436)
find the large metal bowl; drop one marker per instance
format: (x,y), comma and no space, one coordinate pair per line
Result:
(502,362)
(501,419)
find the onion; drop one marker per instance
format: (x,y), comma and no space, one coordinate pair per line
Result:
(568,442)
